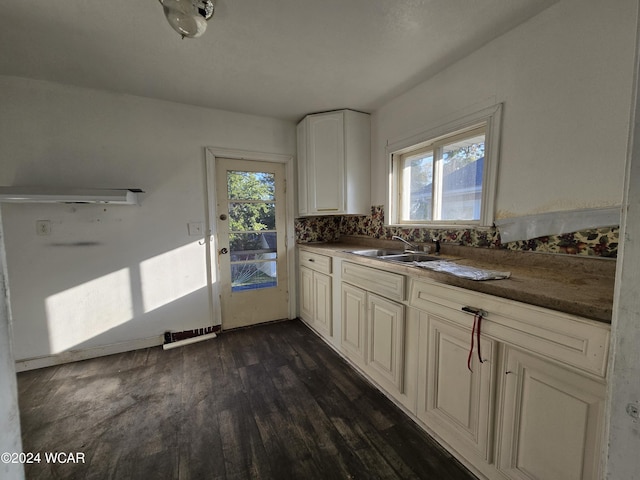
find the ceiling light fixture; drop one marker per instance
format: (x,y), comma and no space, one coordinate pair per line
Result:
(188,17)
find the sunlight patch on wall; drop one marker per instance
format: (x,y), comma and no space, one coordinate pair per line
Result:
(87,310)
(172,275)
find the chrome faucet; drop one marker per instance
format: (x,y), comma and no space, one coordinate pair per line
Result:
(437,242)
(413,248)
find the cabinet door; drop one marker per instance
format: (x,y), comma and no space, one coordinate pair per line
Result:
(385,341)
(325,163)
(455,402)
(353,322)
(306,295)
(551,421)
(323,318)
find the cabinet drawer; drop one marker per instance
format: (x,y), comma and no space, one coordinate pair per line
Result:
(390,285)
(569,339)
(315,261)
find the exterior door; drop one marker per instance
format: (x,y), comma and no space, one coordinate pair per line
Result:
(251,229)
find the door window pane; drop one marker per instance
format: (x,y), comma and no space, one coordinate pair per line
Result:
(251,216)
(251,185)
(253,275)
(243,242)
(252,230)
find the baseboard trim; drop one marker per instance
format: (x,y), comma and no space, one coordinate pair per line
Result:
(85,354)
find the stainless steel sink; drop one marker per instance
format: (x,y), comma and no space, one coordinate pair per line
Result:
(410,257)
(377,253)
(396,255)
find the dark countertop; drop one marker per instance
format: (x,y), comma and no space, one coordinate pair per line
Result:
(580,286)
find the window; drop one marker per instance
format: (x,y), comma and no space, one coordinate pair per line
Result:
(443,181)
(447,178)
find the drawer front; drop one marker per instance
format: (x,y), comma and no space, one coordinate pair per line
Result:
(390,285)
(315,261)
(569,339)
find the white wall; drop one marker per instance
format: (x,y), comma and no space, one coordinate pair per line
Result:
(111,274)
(565,79)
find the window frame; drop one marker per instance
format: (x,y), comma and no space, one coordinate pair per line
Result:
(489,118)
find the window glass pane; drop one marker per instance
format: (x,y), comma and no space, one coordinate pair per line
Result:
(250,276)
(252,242)
(462,166)
(251,185)
(251,216)
(417,186)
(248,255)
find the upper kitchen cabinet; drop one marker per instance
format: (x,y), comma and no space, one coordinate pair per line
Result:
(334,162)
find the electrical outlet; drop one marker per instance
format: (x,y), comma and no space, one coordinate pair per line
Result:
(195,229)
(43,227)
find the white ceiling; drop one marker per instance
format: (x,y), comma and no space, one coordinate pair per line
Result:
(278,58)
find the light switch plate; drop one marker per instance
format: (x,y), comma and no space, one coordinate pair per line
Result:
(195,229)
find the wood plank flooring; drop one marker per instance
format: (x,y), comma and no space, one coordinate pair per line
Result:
(267,402)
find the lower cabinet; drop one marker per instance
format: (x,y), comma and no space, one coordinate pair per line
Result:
(531,405)
(373,336)
(551,421)
(316,301)
(323,317)
(354,312)
(307,297)
(455,402)
(385,341)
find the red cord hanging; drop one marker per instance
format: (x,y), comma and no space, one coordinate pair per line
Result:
(475,337)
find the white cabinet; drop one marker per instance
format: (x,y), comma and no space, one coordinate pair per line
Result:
(544,368)
(551,421)
(316,301)
(354,308)
(385,342)
(373,325)
(373,336)
(334,162)
(533,409)
(307,297)
(453,401)
(323,318)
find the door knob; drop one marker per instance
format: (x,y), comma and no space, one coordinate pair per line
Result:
(223,251)
(223,217)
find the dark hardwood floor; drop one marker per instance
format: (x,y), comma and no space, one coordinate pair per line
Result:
(270,402)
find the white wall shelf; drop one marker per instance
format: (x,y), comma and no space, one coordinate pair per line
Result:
(69,195)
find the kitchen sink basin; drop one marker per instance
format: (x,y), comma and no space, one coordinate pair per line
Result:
(377,253)
(396,255)
(409,257)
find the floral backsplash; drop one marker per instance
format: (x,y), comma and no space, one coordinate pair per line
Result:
(602,242)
